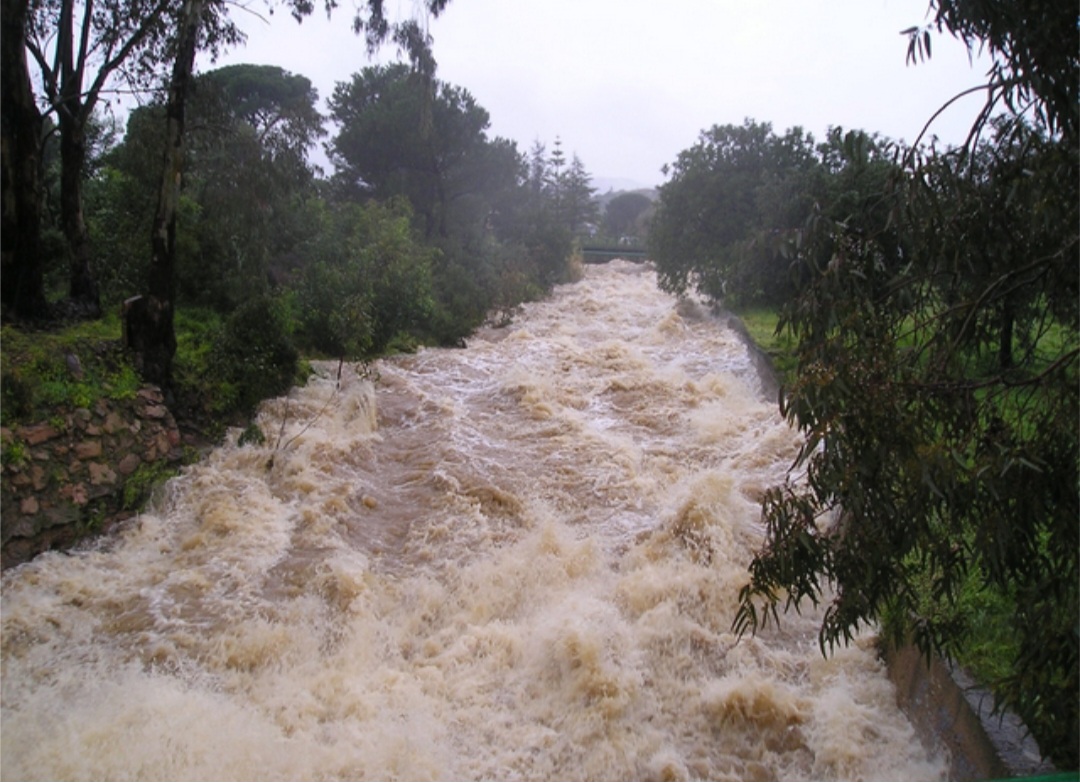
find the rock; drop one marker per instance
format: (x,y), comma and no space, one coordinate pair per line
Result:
(155,411)
(82,418)
(77,460)
(23,528)
(37,433)
(151,394)
(114,422)
(74,365)
(61,516)
(75,493)
(98,491)
(88,449)
(129,464)
(101,474)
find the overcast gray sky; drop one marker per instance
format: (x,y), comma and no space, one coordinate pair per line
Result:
(628,84)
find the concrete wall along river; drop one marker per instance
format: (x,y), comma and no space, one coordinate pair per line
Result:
(519,560)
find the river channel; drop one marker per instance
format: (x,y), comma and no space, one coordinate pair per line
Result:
(514,561)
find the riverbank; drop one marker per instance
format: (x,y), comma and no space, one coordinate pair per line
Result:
(944,701)
(83,471)
(83,441)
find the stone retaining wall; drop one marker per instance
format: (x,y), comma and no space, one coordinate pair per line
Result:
(950,712)
(943,703)
(64,479)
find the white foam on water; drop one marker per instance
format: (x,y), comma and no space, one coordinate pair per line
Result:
(520,560)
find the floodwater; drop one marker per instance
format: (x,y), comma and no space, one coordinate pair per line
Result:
(516,561)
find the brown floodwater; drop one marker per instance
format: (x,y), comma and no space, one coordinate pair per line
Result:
(515,561)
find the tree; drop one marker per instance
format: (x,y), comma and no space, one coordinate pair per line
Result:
(278,106)
(81,51)
(68,52)
(555,162)
(149,320)
(251,129)
(371,281)
(722,218)
(537,173)
(23,291)
(246,187)
(622,213)
(404,134)
(938,387)
(578,203)
(495,223)
(1035,48)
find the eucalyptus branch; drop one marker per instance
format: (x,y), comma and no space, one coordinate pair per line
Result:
(84,41)
(939,112)
(1000,379)
(47,83)
(125,51)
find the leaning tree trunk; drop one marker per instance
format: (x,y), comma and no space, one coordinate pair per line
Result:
(148,319)
(21,263)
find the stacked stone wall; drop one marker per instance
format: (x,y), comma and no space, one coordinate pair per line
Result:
(64,479)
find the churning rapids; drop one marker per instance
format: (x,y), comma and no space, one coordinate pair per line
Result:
(519,560)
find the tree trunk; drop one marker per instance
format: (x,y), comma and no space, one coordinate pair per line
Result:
(72,115)
(23,289)
(82,290)
(148,319)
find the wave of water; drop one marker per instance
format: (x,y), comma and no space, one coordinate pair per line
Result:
(520,560)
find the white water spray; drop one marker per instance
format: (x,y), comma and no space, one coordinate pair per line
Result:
(515,561)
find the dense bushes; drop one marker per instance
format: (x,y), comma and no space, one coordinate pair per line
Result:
(253,355)
(372,281)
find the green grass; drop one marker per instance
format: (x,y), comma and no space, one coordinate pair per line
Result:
(987,644)
(37,379)
(37,375)
(761,324)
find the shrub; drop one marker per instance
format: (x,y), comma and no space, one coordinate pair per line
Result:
(369,284)
(253,354)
